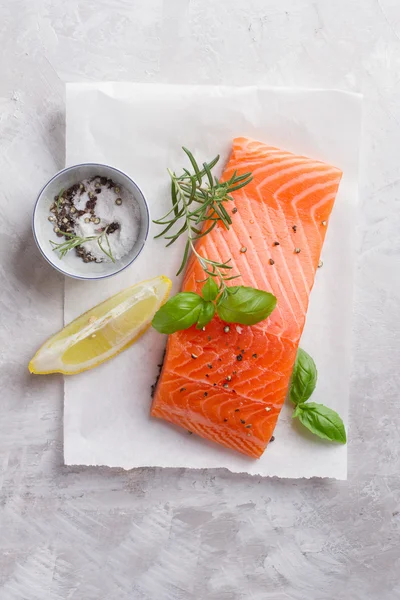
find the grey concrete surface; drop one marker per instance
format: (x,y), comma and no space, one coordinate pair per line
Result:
(92,534)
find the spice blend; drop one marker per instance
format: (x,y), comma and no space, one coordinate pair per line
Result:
(97,218)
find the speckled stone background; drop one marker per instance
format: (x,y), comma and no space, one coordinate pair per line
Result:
(182,535)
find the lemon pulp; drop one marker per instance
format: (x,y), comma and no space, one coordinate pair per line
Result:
(103,331)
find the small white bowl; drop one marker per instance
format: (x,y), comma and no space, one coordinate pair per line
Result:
(71,264)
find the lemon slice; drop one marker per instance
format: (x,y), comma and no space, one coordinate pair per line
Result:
(103,331)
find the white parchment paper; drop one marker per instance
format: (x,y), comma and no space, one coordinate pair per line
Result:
(140,129)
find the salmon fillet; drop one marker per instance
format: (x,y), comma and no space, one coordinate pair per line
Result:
(229,386)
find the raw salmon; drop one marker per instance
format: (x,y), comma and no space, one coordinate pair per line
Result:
(229,386)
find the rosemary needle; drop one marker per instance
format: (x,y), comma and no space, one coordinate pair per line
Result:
(73,241)
(198,204)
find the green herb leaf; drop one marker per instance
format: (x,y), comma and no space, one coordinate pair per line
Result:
(304,378)
(322,421)
(72,241)
(180,312)
(245,305)
(207,313)
(210,289)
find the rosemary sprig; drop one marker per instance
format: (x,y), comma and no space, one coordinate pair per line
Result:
(199,198)
(73,241)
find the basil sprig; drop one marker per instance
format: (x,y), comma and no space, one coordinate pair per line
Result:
(210,289)
(318,418)
(322,421)
(304,378)
(245,305)
(206,314)
(237,304)
(180,312)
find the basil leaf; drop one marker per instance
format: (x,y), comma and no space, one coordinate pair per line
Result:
(322,421)
(207,313)
(180,312)
(304,378)
(245,305)
(210,289)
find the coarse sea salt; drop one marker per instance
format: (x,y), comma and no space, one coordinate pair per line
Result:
(126,214)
